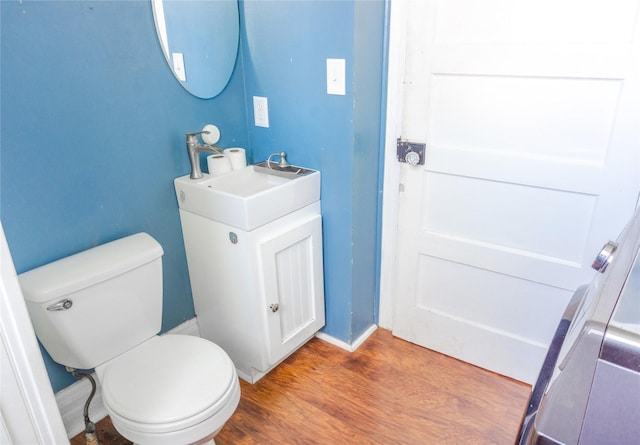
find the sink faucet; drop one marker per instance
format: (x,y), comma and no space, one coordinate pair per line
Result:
(194,148)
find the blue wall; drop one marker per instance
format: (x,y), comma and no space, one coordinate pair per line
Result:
(93,127)
(285,47)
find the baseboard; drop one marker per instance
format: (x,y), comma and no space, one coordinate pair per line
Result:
(71,399)
(189,327)
(344,345)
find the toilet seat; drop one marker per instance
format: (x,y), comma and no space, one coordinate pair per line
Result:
(169,383)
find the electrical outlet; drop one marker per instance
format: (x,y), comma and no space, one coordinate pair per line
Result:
(261,111)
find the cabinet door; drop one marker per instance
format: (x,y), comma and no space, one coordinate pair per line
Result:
(293,286)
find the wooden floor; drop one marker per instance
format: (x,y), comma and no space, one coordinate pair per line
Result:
(387,392)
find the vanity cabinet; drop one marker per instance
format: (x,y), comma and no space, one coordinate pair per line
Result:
(258,294)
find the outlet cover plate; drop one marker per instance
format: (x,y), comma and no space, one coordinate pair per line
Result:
(261,111)
(336,76)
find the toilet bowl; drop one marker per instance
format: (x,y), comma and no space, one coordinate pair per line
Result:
(102,309)
(172,389)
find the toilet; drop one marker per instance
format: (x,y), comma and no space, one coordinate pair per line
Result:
(102,309)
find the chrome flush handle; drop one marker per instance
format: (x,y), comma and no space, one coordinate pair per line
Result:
(61,305)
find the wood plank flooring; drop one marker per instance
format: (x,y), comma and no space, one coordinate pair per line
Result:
(387,392)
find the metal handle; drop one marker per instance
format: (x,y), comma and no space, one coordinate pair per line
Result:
(274,307)
(196,133)
(283,159)
(192,137)
(62,305)
(605,257)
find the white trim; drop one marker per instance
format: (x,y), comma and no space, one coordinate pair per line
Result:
(33,416)
(344,345)
(253,378)
(71,399)
(395,76)
(189,327)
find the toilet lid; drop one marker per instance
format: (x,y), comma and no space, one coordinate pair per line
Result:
(167,379)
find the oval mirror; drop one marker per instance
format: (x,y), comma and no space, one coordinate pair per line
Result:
(199,39)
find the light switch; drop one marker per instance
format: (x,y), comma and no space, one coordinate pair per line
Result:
(178,66)
(336,76)
(260,111)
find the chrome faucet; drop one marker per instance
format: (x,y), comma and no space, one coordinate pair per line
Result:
(194,148)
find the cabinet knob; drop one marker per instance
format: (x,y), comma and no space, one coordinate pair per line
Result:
(274,307)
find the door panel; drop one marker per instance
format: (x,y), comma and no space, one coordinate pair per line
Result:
(542,21)
(438,293)
(519,115)
(293,286)
(471,206)
(529,111)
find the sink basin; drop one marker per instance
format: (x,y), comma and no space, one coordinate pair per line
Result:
(249,197)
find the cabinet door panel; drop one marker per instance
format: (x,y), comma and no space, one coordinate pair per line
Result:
(293,286)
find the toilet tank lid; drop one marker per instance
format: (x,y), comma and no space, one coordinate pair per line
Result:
(88,267)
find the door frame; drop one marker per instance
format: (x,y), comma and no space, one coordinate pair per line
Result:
(391,179)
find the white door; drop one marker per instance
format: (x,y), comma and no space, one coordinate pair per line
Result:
(531,115)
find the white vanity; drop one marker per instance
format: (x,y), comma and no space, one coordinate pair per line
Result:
(254,250)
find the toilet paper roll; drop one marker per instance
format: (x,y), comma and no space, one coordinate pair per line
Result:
(237,156)
(218,165)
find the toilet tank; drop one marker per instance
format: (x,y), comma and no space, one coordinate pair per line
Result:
(90,307)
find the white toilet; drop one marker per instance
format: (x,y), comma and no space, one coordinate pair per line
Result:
(102,309)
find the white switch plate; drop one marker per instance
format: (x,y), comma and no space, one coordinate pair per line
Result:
(261,111)
(336,76)
(178,66)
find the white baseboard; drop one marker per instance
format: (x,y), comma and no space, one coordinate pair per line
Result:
(71,399)
(344,345)
(189,327)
